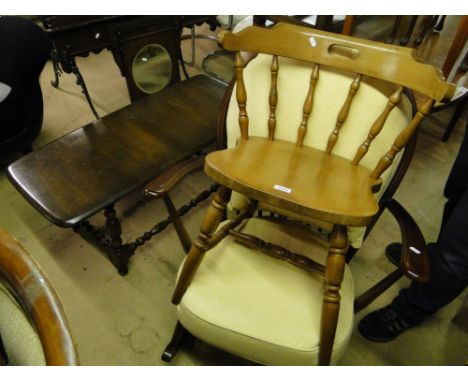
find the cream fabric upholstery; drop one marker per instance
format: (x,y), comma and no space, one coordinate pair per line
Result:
(21,341)
(261,308)
(330,94)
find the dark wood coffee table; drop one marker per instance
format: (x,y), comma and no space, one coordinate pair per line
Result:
(89,169)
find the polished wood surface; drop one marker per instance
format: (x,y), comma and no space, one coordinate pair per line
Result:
(457,45)
(308,103)
(39,300)
(390,63)
(343,114)
(123,35)
(378,124)
(334,273)
(277,252)
(402,139)
(273,99)
(322,186)
(241,96)
(414,257)
(81,173)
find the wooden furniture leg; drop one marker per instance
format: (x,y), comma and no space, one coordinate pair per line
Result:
(458,43)
(179,337)
(405,40)
(394,31)
(178,225)
(331,299)
(348,25)
(440,25)
(428,22)
(113,225)
(210,223)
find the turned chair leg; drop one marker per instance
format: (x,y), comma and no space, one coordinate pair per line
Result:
(331,299)
(179,337)
(213,217)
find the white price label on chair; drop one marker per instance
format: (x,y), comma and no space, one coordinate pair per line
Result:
(282,188)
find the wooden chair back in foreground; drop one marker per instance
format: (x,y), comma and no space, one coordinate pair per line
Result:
(33,327)
(321,154)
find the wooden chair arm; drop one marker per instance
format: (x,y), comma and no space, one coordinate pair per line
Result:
(38,299)
(414,254)
(165,182)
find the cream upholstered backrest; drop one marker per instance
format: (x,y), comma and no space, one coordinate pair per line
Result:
(21,341)
(331,91)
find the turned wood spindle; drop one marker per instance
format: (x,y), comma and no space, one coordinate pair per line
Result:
(273,99)
(378,124)
(277,252)
(402,139)
(343,114)
(334,273)
(221,233)
(308,105)
(241,96)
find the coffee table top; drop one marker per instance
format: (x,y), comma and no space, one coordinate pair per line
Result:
(79,174)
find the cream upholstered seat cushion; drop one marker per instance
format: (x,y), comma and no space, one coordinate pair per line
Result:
(330,94)
(21,341)
(262,308)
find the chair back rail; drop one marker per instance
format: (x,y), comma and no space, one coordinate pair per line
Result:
(402,66)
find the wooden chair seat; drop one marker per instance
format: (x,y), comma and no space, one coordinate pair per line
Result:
(300,179)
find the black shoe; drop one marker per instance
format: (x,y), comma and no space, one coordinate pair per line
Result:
(383,325)
(393,253)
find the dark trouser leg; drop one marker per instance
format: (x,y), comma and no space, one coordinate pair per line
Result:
(449,268)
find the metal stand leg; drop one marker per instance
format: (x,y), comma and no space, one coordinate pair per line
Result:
(80,81)
(56,67)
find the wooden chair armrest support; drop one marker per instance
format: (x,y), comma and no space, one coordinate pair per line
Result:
(162,184)
(414,260)
(414,254)
(39,300)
